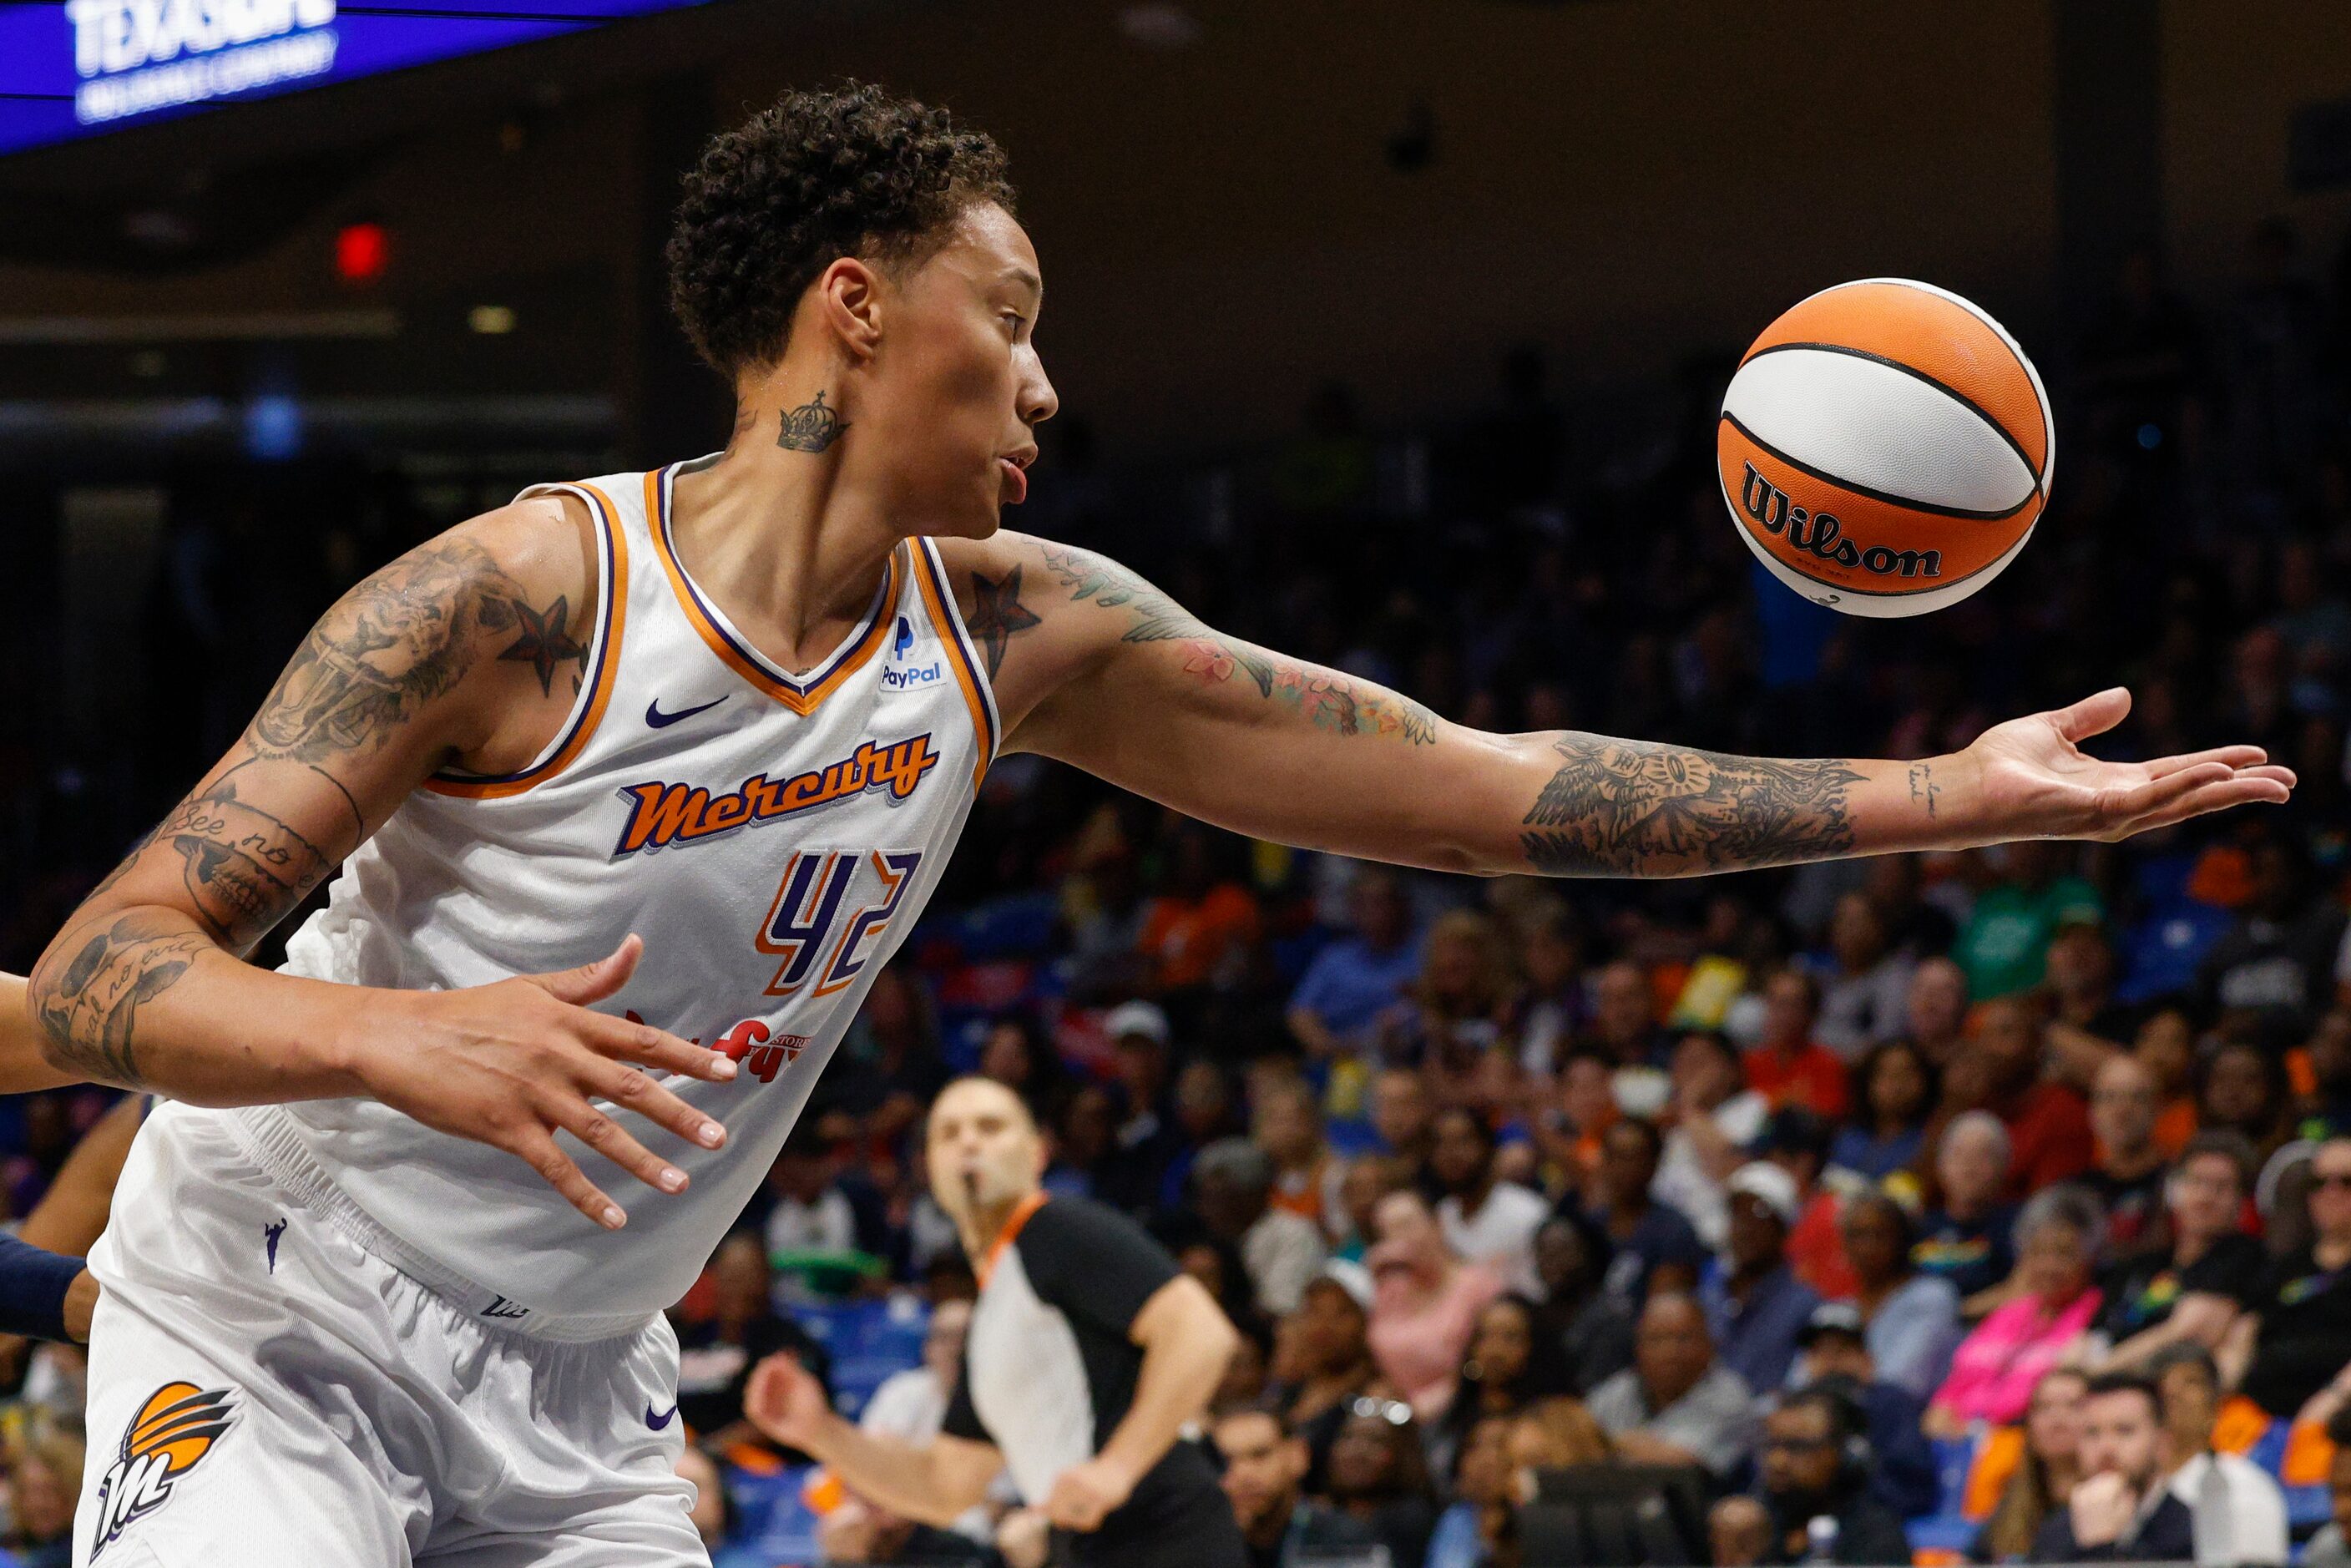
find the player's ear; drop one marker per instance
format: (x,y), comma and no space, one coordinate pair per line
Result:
(848,300)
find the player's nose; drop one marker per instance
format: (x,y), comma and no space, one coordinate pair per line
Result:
(1037,400)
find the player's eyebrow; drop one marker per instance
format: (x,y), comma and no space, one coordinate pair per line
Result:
(1022,277)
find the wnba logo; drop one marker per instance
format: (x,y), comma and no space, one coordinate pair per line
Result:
(173,1431)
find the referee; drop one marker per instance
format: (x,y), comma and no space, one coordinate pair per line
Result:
(1087,1352)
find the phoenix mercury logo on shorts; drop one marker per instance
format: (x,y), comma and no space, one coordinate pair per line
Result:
(171,1433)
(662,814)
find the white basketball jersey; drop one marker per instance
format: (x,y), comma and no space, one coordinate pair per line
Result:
(772,837)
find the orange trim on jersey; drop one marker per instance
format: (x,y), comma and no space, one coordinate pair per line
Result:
(1022,1212)
(935,601)
(802,700)
(607,668)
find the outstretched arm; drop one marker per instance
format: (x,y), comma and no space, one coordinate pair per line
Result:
(1097,667)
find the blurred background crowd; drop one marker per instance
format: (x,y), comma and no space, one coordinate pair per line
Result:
(1747,1176)
(1915,1195)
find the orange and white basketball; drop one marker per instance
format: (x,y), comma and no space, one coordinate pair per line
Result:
(1886,448)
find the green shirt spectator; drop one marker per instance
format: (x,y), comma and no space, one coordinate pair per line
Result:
(2005,943)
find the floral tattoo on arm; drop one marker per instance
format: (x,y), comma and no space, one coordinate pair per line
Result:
(1328,699)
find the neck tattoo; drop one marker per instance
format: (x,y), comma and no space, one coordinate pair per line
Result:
(811,427)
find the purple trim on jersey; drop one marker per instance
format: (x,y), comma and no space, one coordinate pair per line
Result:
(610,591)
(800,685)
(958,642)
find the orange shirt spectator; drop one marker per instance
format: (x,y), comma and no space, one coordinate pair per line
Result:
(2174,1126)
(1813,1079)
(1816,1250)
(2049,1133)
(2048,1123)
(1797,1140)
(1188,939)
(1789,1067)
(1201,928)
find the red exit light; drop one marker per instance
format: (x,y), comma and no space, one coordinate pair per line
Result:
(361,252)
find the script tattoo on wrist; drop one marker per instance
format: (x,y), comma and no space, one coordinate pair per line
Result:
(400,639)
(1622,808)
(1328,699)
(1923,787)
(88,1004)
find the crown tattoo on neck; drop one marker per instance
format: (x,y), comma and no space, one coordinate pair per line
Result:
(811,427)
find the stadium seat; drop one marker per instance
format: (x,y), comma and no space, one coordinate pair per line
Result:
(776,1525)
(869,1339)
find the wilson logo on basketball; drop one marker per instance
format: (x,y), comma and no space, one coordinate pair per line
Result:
(171,1433)
(1819,532)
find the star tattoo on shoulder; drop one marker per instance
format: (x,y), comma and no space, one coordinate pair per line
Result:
(997,613)
(544,643)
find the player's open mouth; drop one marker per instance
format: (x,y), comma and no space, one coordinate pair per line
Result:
(1016,483)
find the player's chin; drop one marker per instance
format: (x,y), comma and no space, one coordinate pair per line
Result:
(965,517)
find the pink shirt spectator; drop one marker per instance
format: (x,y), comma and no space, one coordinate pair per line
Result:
(1418,1338)
(1994,1369)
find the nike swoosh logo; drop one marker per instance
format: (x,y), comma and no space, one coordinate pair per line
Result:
(656,719)
(662,1420)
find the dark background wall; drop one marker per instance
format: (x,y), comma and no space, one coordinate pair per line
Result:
(1222,223)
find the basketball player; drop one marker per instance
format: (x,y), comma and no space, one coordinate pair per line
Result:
(635,783)
(1089,1352)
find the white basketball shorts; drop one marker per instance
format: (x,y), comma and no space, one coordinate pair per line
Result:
(265,1392)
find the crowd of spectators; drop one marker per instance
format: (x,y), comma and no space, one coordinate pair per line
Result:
(1771,1179)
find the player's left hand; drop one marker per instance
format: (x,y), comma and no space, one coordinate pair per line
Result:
(2033,780)
(1086,1494)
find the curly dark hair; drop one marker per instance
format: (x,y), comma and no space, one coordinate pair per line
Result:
(846,171)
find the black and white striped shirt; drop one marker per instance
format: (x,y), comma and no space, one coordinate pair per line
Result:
(1049,1371)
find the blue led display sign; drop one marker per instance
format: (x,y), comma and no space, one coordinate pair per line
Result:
(76,67)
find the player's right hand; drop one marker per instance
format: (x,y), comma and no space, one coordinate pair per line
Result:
(509,1064)
(784,1401)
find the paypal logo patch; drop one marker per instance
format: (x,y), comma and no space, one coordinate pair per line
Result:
(898,676)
